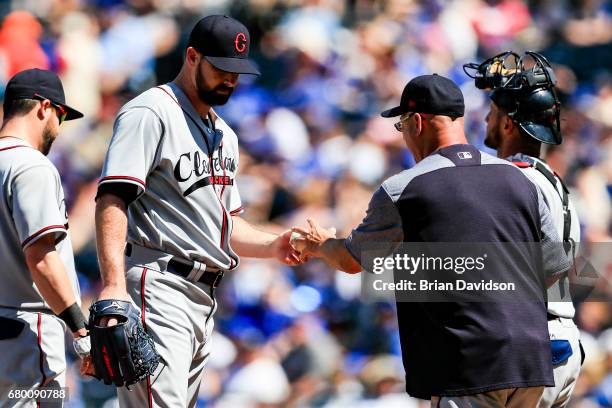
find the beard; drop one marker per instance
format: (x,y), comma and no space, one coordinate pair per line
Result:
(48,137)
(492,137)
(490,142)
(212,96)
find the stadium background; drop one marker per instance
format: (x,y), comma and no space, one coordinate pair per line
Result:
(313,144)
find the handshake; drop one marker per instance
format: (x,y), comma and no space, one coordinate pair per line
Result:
(308,242)
(297,245)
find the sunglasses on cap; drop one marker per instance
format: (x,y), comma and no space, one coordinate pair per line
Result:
(61,112)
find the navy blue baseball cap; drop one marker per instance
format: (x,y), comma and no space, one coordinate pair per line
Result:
(38,84)
(432,94)
(225,43)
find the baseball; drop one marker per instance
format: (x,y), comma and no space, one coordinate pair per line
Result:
(297,244)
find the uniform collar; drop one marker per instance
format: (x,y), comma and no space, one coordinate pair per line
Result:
(520,157)
(14,140)
(525,158)
(213,138)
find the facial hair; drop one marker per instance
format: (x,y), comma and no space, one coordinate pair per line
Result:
(48,137)
(493,135)
(212,96)
(491,139)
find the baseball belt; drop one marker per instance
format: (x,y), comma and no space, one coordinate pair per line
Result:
(192,271)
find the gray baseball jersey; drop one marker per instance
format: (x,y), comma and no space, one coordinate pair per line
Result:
(185,174)
(32,205)
(552,198)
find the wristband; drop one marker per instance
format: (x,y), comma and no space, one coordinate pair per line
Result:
(73,317)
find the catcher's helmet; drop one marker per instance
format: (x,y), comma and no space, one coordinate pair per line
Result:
(528,95)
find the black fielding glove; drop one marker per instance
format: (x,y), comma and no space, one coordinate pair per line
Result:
(123,354)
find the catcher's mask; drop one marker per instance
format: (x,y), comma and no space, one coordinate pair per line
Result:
(527,94)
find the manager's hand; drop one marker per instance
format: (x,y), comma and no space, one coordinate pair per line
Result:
(310,240)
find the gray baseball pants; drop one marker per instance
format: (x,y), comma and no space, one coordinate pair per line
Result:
(177,313)
(33,358)
(506,398)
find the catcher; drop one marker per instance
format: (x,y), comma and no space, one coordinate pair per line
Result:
(524,114)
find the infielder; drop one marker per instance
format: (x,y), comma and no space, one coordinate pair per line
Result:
(169,179)
(520,119)
(39,294)
(459,354)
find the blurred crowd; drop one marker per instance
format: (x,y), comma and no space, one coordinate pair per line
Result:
(313,145)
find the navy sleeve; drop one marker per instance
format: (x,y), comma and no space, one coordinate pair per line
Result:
(382,224)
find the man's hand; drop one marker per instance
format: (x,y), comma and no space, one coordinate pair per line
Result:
(123,354)
(112,292)
(87,367)
(312,239)
(283,251)
(322,243)
(86,362)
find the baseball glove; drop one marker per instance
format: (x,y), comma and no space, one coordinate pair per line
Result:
(123,354)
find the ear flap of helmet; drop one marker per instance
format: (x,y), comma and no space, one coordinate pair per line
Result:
(542,133)
(538,115)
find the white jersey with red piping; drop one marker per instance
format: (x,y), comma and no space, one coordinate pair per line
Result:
(32,205)
(184,169)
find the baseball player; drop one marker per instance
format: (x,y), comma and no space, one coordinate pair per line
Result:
(39,294)
(459,354)
(169,180)
(520,119)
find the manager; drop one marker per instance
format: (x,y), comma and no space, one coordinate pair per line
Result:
(493,354)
